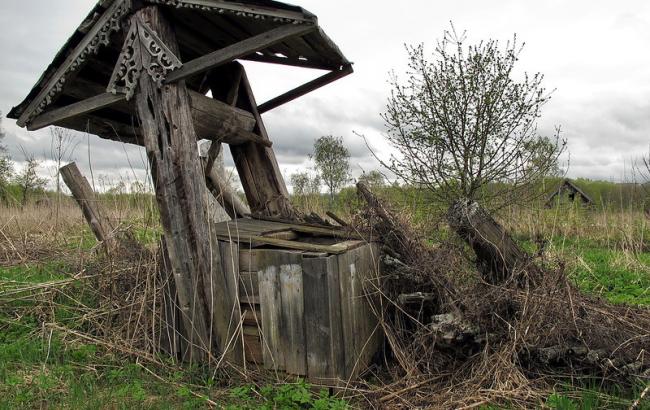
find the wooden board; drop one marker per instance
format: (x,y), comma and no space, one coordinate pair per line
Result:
(323,326)
(230,261)
(293,313)
(271,310)
(360,327)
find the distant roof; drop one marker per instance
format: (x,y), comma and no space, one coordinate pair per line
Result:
(84,65)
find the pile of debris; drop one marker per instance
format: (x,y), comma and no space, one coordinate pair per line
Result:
(505,330)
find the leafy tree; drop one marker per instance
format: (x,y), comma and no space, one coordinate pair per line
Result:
(332,162)
(465,127)
(28,179)
(373,179)
(305,184)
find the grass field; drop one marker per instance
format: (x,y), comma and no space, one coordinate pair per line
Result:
(43,255)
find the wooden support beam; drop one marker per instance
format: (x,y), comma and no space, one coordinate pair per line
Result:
(304,89)
(73,110)
(85,197)
(257,166)
(238,50)
(170,141)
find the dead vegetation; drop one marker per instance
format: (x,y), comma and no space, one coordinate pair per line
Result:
(489,334)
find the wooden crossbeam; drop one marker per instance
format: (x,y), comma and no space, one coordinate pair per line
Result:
(213,120)
(304,89)
(239,50)
(73,110)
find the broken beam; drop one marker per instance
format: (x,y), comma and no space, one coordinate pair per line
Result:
(304,89)
(238,50)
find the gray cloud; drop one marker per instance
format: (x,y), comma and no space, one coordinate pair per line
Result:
(601,103)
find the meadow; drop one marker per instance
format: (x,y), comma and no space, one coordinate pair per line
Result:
(51,356)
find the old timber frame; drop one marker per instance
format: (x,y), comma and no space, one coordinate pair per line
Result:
(139,72)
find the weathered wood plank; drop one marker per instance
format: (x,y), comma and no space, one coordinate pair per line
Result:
(305,89)
(79,108)
(257,166)
(271,309)
(248,283)
(230,260)
(170,142)
(293,313)
(85,197)
(323,326)
(237,50)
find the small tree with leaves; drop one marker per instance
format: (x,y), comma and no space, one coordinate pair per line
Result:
(28,179)
(465,127)
(332,163)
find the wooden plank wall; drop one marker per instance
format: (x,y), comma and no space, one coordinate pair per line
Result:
(311,311)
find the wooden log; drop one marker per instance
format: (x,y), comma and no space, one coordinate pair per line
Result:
(170,141)
(229,199)
(69,111)
(257,166)
(85,197)
(498,256)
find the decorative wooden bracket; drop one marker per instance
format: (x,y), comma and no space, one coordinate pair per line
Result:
(143,50)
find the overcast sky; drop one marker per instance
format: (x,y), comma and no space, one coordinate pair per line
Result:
(594,53)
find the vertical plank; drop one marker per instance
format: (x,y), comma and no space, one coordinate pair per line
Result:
(323,327)
(292,330)
(347,271)
(271,310)
(230,260)
(371,336)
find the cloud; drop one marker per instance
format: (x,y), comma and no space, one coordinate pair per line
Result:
(591,51)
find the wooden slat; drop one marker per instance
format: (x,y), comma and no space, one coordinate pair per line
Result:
(323,326)
(304,89)
(230,261)
(292,329)
(79,108)
(248,284)
(235,51)
(336,248)
(271,309)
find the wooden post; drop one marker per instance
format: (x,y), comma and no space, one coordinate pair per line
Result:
(256,164)
(85,197)
(170,141)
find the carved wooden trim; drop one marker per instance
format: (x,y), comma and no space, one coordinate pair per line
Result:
(143,50)
(240,10)
(98,36)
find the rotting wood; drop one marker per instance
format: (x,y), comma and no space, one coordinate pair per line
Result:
(69,111)
(257,166)
(323,327)
(498,257)
(169,138)
(271,310)
(235,51)
(292,329)
(92,211)
(229,257)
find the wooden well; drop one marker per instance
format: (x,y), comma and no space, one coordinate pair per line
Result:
(300,292)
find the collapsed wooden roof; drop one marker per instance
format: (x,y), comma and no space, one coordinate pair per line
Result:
(209,33)
(574,191)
